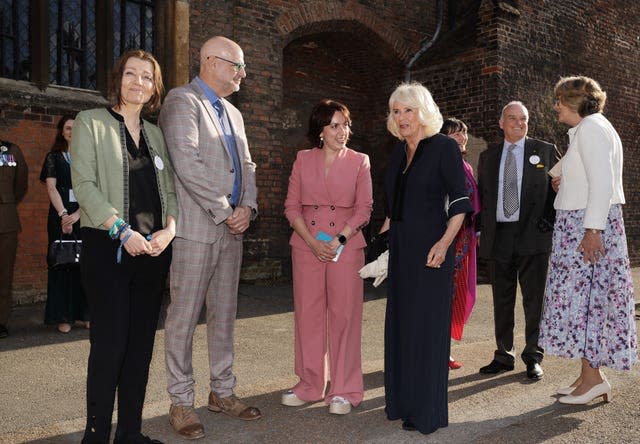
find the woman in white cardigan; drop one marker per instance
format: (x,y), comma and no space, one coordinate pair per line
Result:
(589,306)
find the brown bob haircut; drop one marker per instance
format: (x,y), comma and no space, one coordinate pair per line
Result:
(320,117)
(118,70)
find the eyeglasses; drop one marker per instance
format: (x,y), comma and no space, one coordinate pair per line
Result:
(236,65)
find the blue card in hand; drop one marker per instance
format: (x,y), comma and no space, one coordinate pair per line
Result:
(326,238)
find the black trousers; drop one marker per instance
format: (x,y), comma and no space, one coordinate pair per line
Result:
(8,247)
(124,305)
(507,268)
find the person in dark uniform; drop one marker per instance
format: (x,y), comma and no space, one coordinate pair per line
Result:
(13,187)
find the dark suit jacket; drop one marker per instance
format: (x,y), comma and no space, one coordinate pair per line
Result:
(536,198)
(13,187)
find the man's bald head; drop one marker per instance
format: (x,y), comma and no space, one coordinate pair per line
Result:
(218,57)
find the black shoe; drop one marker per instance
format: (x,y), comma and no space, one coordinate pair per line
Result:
(495,367)
(3,331)
(534,371)
(137,439)
(408,426)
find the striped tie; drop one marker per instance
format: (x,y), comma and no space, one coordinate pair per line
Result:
(510,203)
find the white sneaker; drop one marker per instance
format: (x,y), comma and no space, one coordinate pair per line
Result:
(339,406)
(291,400)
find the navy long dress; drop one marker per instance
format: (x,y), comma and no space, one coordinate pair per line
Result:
(418,316)
(66,301)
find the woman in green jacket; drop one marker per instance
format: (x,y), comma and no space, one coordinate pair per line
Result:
(123,181)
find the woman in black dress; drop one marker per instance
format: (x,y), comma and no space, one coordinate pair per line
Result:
(427,202)
(66,301)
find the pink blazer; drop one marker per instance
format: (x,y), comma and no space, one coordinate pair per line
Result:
(344,197)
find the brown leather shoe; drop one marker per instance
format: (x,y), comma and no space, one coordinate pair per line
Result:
(234,407)
(185,421)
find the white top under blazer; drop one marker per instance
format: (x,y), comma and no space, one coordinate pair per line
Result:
(592,171)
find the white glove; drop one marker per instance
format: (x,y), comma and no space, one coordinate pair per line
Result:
(376,269)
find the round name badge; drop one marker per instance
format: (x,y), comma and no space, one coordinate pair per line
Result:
(4,148)
(534,159)
(159,163)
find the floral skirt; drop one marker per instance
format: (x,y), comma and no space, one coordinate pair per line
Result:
(589,309)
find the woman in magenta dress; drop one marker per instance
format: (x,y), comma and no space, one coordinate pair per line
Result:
(464,271)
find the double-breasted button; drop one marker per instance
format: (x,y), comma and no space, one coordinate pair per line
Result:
(232,170)
(332,208)
(315,207)
(331,224)
(228,196)
(313,222)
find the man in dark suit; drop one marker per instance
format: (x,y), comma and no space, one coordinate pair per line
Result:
(13,186)
(515,224)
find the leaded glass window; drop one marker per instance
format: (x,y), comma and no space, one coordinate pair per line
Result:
(133,26)
(72,43)
(14,39)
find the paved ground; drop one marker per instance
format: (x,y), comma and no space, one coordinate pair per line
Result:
(42,376)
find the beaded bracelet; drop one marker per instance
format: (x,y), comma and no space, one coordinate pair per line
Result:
(116,228)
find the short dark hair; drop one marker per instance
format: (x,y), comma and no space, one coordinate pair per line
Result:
(118,70)
(320,117)
(60,144)
(452,125)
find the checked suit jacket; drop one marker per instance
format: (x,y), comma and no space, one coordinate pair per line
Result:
(202,162)
(536,198)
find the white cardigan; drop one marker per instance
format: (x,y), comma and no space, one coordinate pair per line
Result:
(592,171)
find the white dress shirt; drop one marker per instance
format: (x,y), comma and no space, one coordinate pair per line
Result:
(518,153)
(592,171)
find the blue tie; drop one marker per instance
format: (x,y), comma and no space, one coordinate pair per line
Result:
(233,150)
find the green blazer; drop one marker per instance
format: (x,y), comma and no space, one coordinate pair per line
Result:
(100,171)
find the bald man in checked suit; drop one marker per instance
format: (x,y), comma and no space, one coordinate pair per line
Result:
(216,189)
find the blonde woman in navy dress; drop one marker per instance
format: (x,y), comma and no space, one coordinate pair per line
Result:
(427,202)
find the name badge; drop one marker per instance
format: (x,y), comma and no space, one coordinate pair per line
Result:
(72,197)
(158,162)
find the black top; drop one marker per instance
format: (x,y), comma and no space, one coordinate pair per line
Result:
(145,208)
(56,166)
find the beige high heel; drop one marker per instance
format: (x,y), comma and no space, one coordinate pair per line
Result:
(603,389)
(565,390)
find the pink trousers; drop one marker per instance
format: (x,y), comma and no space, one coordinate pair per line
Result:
(328,300)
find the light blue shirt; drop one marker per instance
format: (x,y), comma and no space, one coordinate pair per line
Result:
(225,124)
(518,153)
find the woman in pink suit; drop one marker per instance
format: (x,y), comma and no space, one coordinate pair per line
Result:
(328,201)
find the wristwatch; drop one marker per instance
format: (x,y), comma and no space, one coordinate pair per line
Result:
(342,239)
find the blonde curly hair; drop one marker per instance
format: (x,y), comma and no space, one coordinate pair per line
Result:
(415,96)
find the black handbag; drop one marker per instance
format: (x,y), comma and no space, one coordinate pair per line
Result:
(64,253)
(378,245)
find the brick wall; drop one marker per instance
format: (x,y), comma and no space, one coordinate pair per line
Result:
(297,53)
(29,118)
(489,52)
